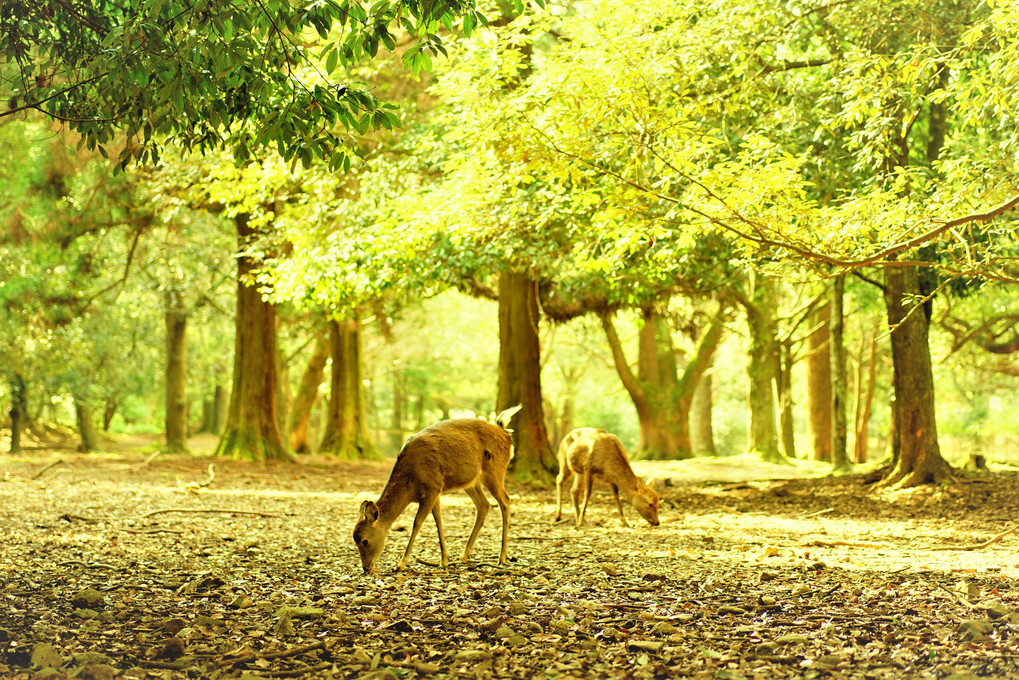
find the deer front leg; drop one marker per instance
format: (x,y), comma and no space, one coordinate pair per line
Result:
(483,506)
(619,504)
(437,514)
(424,508)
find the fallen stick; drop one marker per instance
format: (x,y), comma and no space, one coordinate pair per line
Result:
(161,511)
(40,473)
(978,546)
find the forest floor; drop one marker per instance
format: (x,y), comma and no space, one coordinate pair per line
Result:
(134,565)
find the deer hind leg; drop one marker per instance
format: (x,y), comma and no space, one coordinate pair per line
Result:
(483,506)
(560,480)
(424,508)
(437,514)
(619,504)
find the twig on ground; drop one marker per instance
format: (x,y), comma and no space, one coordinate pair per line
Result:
(248,658)
(40,473)
(814,514)
(235,511)
(961,597)
(978,546)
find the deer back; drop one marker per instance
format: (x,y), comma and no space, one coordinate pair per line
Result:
(451,454)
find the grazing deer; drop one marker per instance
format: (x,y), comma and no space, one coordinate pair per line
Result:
(463,453)
(589,453)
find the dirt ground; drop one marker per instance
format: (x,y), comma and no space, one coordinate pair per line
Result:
(135,565)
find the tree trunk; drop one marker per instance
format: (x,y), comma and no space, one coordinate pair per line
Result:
(702,433)
(662,401)
(18,411)
(86,426)
(919,458)
(397,434)
(819,399)
(176,373)
(839,447)
(762,368)
(307,393)
(346,431)
(252,427)
(109,411)
(520,376)
(864,398)
(784,396)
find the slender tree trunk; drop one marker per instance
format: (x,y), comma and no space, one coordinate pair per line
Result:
(346,433)
(220,409)
(86,426)
(865,397)
(819,375)
(840,457)
(919,459)
(520,376)
(109,411)
(252,426)
(18,411)
(763,351)
(784,396)
(307,393)
(397,434)
(702,434)
(176,373)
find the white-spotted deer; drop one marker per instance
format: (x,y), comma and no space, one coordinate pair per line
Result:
(462,453)
(588,452)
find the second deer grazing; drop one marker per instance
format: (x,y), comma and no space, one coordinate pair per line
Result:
(463,453)
(589,453)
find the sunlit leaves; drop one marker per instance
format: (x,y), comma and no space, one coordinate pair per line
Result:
(202,74)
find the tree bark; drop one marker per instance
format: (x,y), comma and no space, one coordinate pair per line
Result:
(840,457)
(307,393)
(784,395)
(176,372)
(702,433)
(252,427)
(819,375)
(520,376)
(346,430)
(18,411)
(663,401)
(864,398)
(918,459)
(762,368)
(86,426)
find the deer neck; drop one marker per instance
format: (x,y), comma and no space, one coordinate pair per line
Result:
(391,504)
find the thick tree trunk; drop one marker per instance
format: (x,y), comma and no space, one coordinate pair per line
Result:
(762,368)
(520,376)
(252,427)
(176,373)
(702,433)
(18,411)
(109,411)
(819,375)
(86,426)
(307,393)
(663,401)
(346,431)
(919,458)
(839,390)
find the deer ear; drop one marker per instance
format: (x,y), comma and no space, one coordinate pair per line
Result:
(369,511)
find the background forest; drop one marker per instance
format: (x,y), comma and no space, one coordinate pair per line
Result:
(710,228)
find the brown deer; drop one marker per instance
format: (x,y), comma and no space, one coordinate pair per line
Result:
(463,453)
(588,453)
